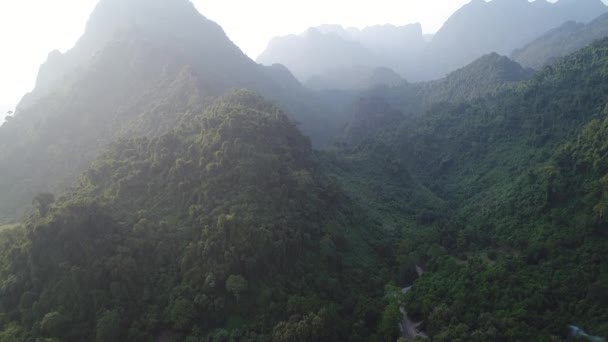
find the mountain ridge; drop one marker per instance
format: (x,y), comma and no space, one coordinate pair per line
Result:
(561,41)
(481,27)
(153,75)
(476,29)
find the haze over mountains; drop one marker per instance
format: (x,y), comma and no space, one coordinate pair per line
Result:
(116,62)
(476,29)
(501,26)
(332,47)
(560,42)
(159,185)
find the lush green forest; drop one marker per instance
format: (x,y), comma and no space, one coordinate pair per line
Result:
(222,228)
(516,251)
(142,198)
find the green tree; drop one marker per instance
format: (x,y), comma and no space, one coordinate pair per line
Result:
(108,327)
(182,314)
(236,285)
(12,333)
(389,325)
(54,324)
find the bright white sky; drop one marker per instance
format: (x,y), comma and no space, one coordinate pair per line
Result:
(30,29)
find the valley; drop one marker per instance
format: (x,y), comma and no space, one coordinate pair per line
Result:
(159,185)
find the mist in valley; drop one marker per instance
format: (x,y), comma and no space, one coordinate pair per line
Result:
(430,170)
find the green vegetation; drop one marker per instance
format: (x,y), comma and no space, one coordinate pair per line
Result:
(386,107)
(53,140)
(221,227)
(517,251)
(161,207)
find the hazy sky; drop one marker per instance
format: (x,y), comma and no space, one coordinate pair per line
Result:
(30,29)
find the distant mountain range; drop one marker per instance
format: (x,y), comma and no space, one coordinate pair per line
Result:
(560,42)
(476,29)
(332,47)
(500,26)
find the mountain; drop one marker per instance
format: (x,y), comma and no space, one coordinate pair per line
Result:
(221,228)
(387,37)
(397,46)
(383,107)
(522,232)
(138,68)
(176,26)
(355,78)
(476,29)
(488,75)
(327,48)
(560,42)
(314,52)
(501,26)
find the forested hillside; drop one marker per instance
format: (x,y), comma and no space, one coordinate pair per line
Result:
(222,228)
(383,106)
(142,198)
(523,235)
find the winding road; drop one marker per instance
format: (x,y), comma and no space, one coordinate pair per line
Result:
(409,329)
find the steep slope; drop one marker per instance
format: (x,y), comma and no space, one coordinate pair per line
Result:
(522,174)
(139,66)
(542,111)
(487,75)
(53,138)
(221,229)
(384,107)
(175,25)
(560,42)
(500,26)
